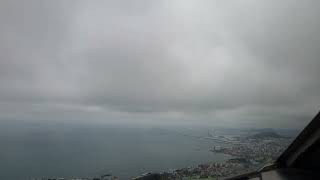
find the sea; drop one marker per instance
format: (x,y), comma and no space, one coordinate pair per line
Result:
(52,150)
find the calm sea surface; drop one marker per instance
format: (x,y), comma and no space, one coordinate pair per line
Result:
(33,150)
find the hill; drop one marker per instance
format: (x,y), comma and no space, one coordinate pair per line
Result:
(264,135)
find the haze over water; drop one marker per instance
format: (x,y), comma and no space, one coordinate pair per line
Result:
(60,150)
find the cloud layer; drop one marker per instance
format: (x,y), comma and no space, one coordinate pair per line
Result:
(247,63)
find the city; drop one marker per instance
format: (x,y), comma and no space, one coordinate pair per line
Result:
(249,154)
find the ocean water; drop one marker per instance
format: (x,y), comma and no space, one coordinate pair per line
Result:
(46,150)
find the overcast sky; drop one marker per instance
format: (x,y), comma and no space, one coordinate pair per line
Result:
(219,63)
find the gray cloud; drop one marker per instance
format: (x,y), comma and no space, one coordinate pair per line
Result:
(248,63)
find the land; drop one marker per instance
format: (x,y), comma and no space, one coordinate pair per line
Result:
(249,154)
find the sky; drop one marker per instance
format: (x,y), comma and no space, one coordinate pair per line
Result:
(221,63)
